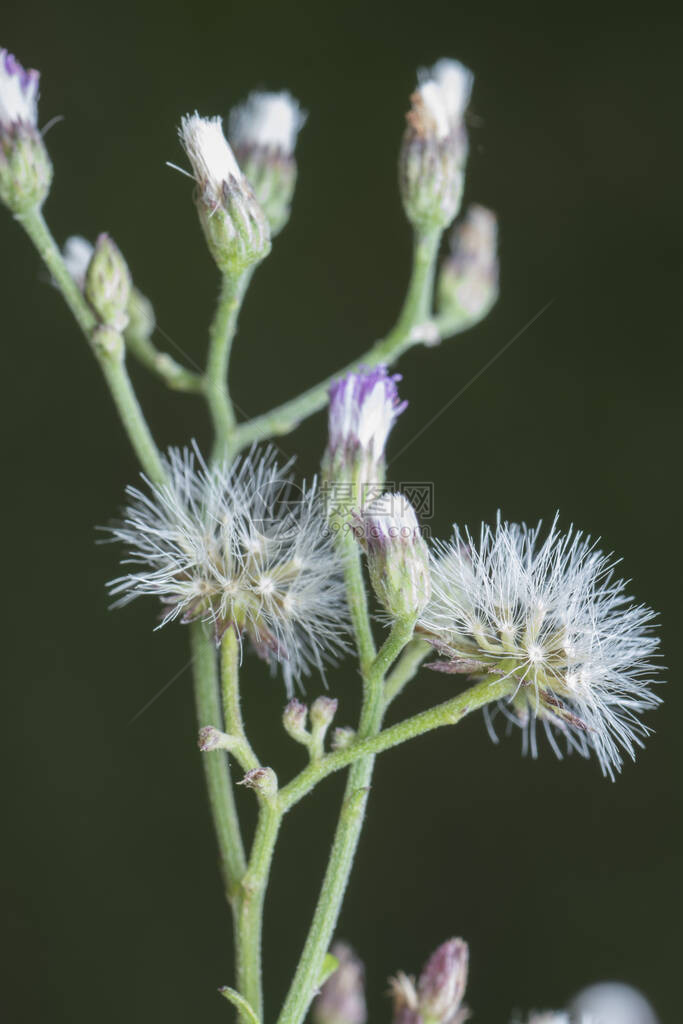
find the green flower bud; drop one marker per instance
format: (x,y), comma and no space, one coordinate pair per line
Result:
(234,224)
(397,555)
(468,282)
(107,284)
(25,167)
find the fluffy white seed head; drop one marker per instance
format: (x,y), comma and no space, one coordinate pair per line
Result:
(208,150)
(18,93)
(77,253)
(441,100)
(612,1002)
(553,618)
(241,547)
(267,120)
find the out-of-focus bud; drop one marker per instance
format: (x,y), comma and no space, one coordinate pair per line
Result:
(468,283)
(442,984)
(263,780)
(25,167)
(141,317)
(234,224)
(342,997)
(323,710)
(107,284)
(77,253)
(434,149)
(342,737)
(404,995)
(263,132)
(611,1002)
(294,720)
(211,738)
(397,555)
(438,996)
(364,406)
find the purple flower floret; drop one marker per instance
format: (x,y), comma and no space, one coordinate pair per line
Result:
(363,408)
(18,93)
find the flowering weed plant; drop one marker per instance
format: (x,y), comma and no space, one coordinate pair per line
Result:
(536,628)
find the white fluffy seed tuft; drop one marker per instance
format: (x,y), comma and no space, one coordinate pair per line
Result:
(241,547)
(267,120)
(552,616)
(208,150)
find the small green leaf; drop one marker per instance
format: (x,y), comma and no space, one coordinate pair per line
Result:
(330,965)
(240,1002)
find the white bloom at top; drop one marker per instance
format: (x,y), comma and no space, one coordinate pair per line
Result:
(209,152)
(18,93)
(267,120)
(454,82)
(77,253)
(553,618)
(243,548)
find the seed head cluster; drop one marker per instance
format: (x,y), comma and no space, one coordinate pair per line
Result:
(242,547)
(551,616)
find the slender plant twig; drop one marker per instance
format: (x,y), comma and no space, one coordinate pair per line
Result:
(415,314)
(232,711)
(349,826)
(221,336)
(406,668)
(218,782)
(109,356)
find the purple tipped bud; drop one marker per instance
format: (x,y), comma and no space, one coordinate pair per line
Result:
(364,406)
(342,997)
(25,168)
(294,720)
(468,282)
(443,981)
(398,558)
(263,780)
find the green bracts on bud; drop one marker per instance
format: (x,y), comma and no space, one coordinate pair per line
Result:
(235,228)
(273,179)
(398,558)
(108,284)
(25,168)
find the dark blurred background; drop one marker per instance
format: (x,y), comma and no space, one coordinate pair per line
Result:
(113,908)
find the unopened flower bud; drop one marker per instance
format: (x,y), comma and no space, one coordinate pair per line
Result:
(234,224)
(398,559)
(468,283)
(211,738)
(441,986)
(404,996)
(364,406)
(342,737)
(25,167)
(141,317)
(263,780)
(434,148)
(294,720)
(342,997)
(323,710)
(107,284)
(263,132)
(77,253)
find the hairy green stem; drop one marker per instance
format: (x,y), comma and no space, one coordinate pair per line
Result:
(218,782)
(249,906)
(138,341)
(410,661)
(350,824)
(448,713)
(415,314)
(109,356)
(357,599)
(230,692)
(222,333)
